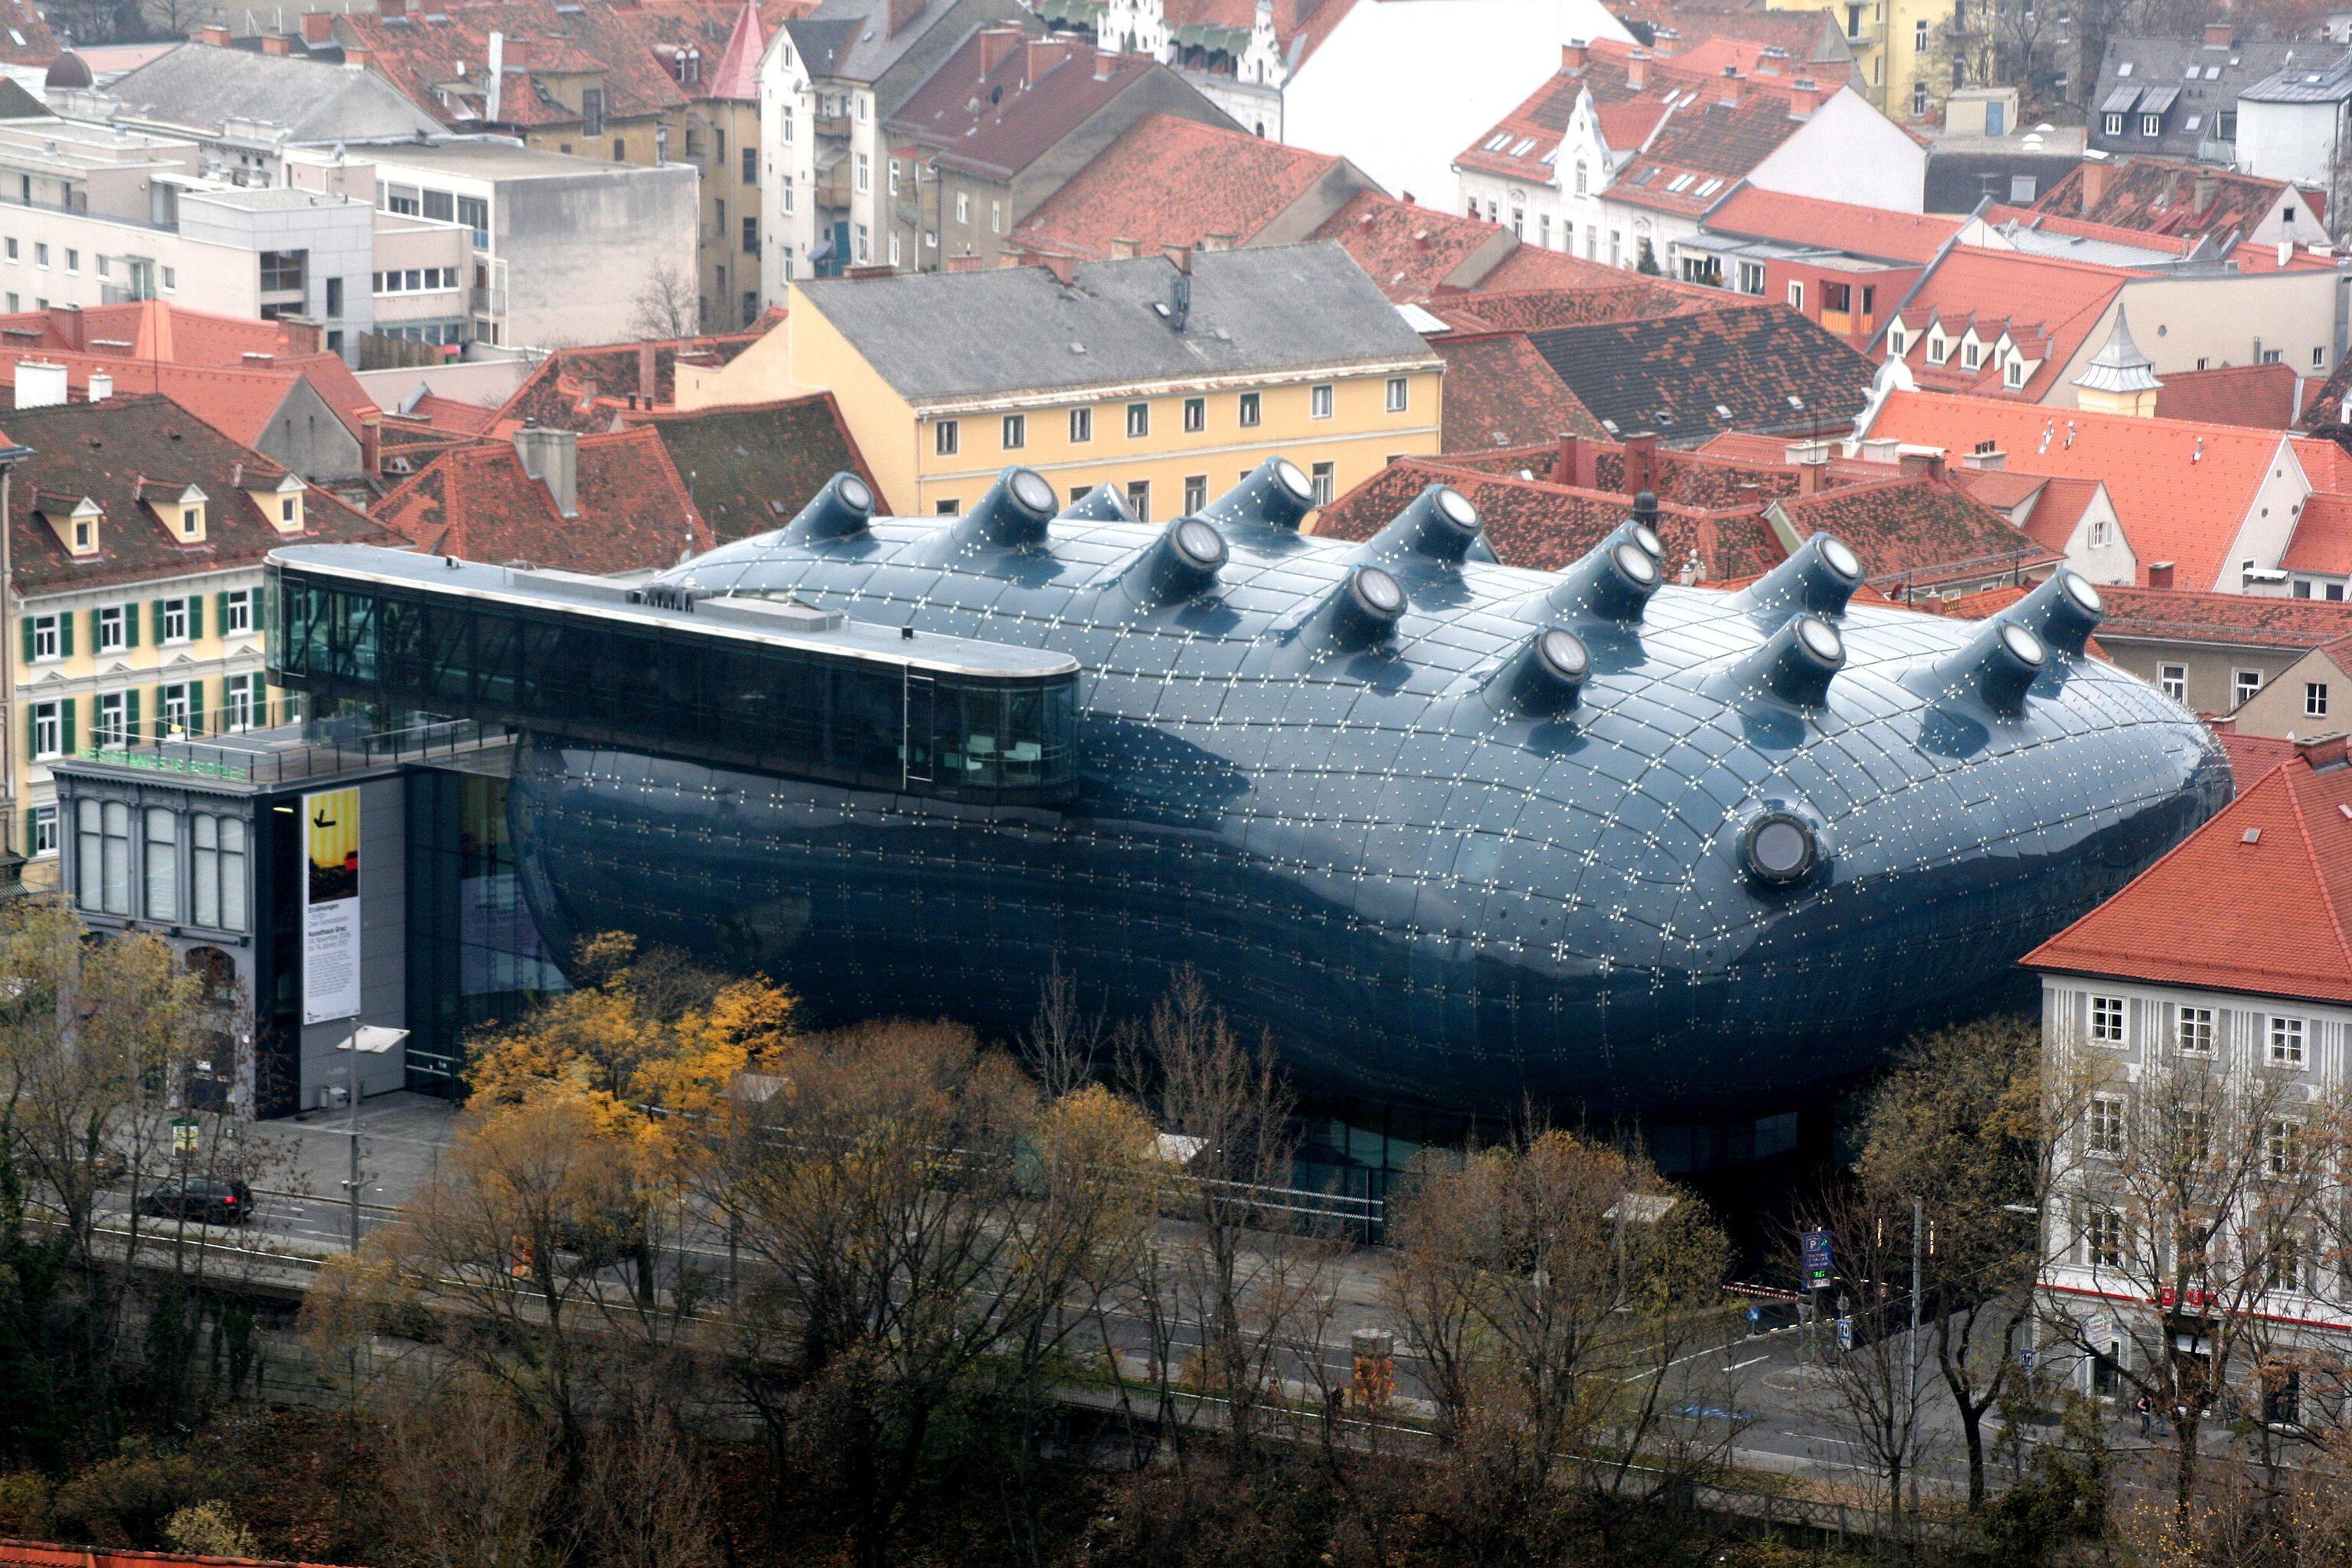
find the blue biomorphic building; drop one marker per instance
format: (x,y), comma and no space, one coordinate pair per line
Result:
(1455,834)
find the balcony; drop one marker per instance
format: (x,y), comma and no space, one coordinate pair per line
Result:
(833,188)
(834,125)
(1846,322)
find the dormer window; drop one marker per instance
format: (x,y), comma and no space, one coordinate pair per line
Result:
(282,504)
(73,519)
(2013,374)
(1938,351)
(1969,354)
(1896,341)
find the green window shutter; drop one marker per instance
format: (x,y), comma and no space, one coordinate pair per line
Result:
(220,611)
(32,732)
(97,643)
(65,726)
(196,617)
(195,698)
(130,715)
(130,624)
(158,622)
(29,639)
(64,634)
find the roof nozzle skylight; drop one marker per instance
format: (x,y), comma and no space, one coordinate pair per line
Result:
(1100,504)
(2062,612)
(1818,577)
(843,509)
(1277,494)
(1182,563)
(1546,677)
(1613,582)
(1797,663)
(1013,515)
(1441,525)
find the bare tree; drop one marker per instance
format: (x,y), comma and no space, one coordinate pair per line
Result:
(1064,1041)
(1871,1379)
(470,1481)
(1230,1294)
(2194,1192)
(1555,1290)
(668,305)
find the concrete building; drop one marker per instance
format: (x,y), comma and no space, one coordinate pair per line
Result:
(2296,125)
(1188,379)
(829,84)
(565,248)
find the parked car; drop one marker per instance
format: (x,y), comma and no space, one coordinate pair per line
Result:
(207,1200)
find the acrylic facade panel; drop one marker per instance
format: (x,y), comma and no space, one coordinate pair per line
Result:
(1699,877)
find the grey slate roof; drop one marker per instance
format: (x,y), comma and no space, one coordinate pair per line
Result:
(201,87)
(2317,82)
(2163,66)
(940,336)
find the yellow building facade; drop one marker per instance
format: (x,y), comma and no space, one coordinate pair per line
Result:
(1902,50)
(1166,445)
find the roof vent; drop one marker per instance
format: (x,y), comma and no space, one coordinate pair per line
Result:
(843,509)
(1100,504)
(1797,663)
(1819,578)
(1546,678)
(2062,612)
(1363,610)
(1013,515)
(1613,582)
(1181,564)
(1440,526)
(1997,667)
(1275,495)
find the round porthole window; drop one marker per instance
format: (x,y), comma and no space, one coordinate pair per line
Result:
(854,493)
(1294,479)
(1778,847)
(1456,507)
(1380,592)
(1200,546)
(2078,588)
(1030,488)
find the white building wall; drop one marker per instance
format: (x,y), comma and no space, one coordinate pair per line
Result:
(1402,86)
(2290,141)
(787,168)
(1848,151)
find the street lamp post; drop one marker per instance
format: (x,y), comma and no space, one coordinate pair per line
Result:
(375,1040)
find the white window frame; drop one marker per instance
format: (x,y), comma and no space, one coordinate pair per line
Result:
(1082,426)
(2289,1040)
(236,613)
(1398,393)
(1320,401)
(1138,421)
(1251,412)
(41,832)
(2113,125)
(2109,1020)
(2192,1029)
(2103,1129)
(946,439)
(2244,685)
(48,638)
(1196,416)
(1323,479)
(164,635)
(1796,296)
(2315,700)
(48,730)
(1015,432)
(2172,679)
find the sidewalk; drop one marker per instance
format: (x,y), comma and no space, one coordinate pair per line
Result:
(402,1135)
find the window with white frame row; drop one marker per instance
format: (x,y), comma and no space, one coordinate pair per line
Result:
(2286,1041)
(2107,1020)
(2172,679)
(2102,1128)
(2103,1238)
(2192,1031)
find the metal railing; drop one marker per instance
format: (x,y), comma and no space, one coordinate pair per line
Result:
(322,750)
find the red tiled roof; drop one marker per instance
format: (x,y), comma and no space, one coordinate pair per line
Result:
(751,466)
(1036,93)
(1299,26)
(2235,620)
(450,417)
(477,503)
(1167,181)
(1411,251)
(2003,489)
(2159,196)
(2251,756)
(2266,396)
(2323,536)
(2047,305)
(1917,532)
(1500,393)
(736,80)
(2258,899)
(1547,526)
(1872,232)
(1533,290)
(2058,508)
(2182,490)
(585,389)
(107,450)
(2328,464)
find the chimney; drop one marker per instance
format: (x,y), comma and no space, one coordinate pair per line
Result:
(317,28)
(2202,192)
(2159,573)
(1986,459)
(553,457)
(2286,253)
(1923,465)
(995,43)
(1125,249)
(1641,463)
(1045,55)
(2218,36)
(1575,462)
(1809,478)
(1730,87)
(2323,753)
(2096,174)
(212,33)
(1637,69)
(1181,255)
(872,274)
(101,386)
(39,384)
(1571,55)
(901,13)
(391,10)
(277,44)
(1805,97)
(1216,242)
(67,320)
(371,443)
(1106,63)
(972,263)
(1065,268)
(648,375)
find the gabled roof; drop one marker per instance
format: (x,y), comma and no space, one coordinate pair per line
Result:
(2160,196)
(583,389)
(1577,290)
(1413,251)
(2047,307)
(202,87)
(1706,146)
(2264,396)
(1687,378)
(1872,232)
(1167,181)
(751,466)
(1545,527)
(105,450)
(1500,393)
(1225,24)
(2323,536)
(736,80)
(1912,530)
(1287,308)
(477,502)
(2182,490)
(2259,900)
(2058,508)
(2138,67)
(1034,93)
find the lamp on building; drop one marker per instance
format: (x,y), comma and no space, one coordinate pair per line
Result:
(375,1040)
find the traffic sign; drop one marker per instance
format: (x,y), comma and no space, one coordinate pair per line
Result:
(1817,1259)
(1755,1314)
(185,1132)
(1846,1333)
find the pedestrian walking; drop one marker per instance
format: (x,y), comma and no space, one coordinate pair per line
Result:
(2145,1411)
